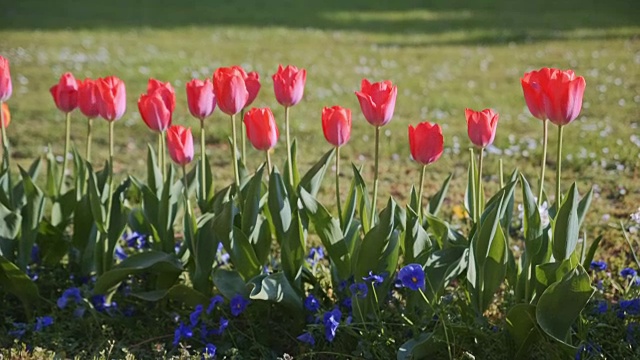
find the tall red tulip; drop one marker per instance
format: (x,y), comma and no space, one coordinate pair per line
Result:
(65,93)
(377,101)
(5,80)
(112,102)
(180,144)
(481,126)
(262,129)
(426,142)
(165,90)
(288,85)
(201,98)
(252,81)
(336,125)
(230,89)
(563,96)
(533,85)
(88,98)
(157,105)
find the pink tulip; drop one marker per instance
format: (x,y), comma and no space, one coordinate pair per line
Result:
(262,130)
(5,80)
(252,81)
(230,89)
(426,142)
(88,94)
(112,101)
(481,126)
(336,125)
(200,98)
(180,144)
(65,93)
(377,101)
(288,85)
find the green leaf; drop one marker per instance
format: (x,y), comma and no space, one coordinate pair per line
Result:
(436,200)
(438,228)
(364,204)
(592,251)
(532,223)
(566,226)
(18,283)
(276,288)
(117,220)
(98,211)
(32,214)
(379,250)
(442,266)
(583,206)
(155,262)
(9,223)
(53,243)
(252,197)
(417,244)
(555,313)
(312,180)
(229,283)
(279,205)
(180,292)
(522,326)
(469,194)
(154,173)
(549,273)
(421,347)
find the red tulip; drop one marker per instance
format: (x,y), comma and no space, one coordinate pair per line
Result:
(65,93)
(377,101)
(288,84)
(154,111)
(533,84)
(180,144)
(426,142)
(336,125)
(481,126)
(6,115)
(201,99)
(262,130)
(5,80)
(166,91)
(230,89)
(563,96)
(112,101)
(88,98)
(252,82)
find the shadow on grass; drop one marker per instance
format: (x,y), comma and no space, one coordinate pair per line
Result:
(516,20)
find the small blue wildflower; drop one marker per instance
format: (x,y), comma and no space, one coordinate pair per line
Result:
(182,331)
(347,303)
(224,324)
(311,303)
(221,255)
(238,304)
(373,278)
(331,321)
(602,307)
(33,275)
(120,253)
(100,303)
(70,294)
(209,351)
(349,320)
(135,240)
(194,317)
(412,276)
(598,265)
(630,307)
(214,302)
(307,338)
(315,254)
(359,289)
(628,273)
(43,322)
(19,329)
(344,284)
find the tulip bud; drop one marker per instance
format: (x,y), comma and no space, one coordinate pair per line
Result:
(336,125)
(426,142)
(377,101)
(262,130)
(288,84)
(481,126)
(180,144)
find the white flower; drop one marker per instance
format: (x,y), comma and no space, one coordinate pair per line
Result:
(635,217)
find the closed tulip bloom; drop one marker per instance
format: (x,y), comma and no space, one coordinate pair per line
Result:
(88,98)
(166,91)
(201,99)
(562,96)
(252,81)
(533,85)
(262,129)
(154,111)
(426,142)
(288,84)
(112,101)
(180,144)
(6,115)
(5,80)
(65,93)
(377,101)
(336,125)
(481,126)
(230,89)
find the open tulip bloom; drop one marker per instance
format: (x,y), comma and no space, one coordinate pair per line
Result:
(156,108)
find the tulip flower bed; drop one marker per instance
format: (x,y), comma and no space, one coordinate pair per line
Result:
(221,267)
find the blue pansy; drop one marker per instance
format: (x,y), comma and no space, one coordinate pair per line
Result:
(307,338)
(347,303)
(135,240)
(311,303)
(209,351)
(70,294)
(194,317)
(331,320)
(100,304)
(598,265)
(628,273)
(359,289)
(602,307)
(120,253)
(412,276)
(630,307)
(182,331)
(373,278)
(238,304)
(214,302)
(43,322)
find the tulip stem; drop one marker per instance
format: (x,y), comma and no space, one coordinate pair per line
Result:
(185,179)
(234,157)
(5,143)
(479,187)
(420,192)
(163,153)
(559,168)
(106,263)
(66,150)
(289,163)
(375,178)
(243,137)
(474,202)
(543,165)
(203,164)
(501,172)
(89,138)
(268,163)
(338,202)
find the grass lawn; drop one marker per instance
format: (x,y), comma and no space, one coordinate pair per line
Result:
(444,56)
